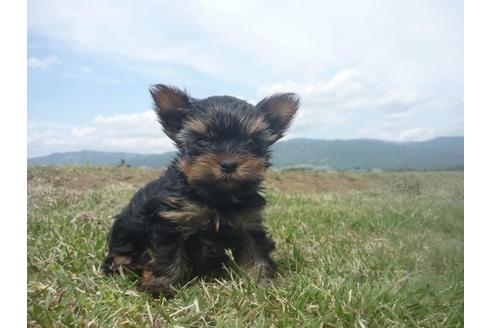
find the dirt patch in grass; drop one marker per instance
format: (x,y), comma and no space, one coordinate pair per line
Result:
(301,182)
(77,179)
(49,184)
(74,178)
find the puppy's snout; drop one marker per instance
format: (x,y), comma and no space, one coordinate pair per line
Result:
(229,166)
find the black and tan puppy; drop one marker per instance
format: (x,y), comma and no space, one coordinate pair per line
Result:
(179,226)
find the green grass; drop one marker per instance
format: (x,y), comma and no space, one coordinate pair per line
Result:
(367,250)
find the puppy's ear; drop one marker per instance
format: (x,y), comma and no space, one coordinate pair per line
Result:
(279,110)
(171,106)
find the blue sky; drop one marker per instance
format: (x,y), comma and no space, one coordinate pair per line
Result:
(364,69)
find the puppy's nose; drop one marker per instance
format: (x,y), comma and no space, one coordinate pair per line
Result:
(229,166)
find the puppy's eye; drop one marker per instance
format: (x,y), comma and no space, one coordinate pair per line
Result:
(256,145)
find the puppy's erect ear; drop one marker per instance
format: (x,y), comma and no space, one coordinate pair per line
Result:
(279,110)
(171,106)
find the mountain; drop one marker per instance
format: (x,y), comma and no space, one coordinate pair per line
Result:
(88,157)
(366,154)
(359,154)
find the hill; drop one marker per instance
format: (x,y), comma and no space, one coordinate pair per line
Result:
(359,154)
(89,157)
(366,154)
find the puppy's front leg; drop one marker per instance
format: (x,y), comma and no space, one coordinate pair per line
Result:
(253,255)
(170,268)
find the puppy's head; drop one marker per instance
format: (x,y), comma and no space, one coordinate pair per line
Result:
(223,142)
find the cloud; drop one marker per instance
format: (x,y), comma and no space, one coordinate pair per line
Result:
(391,131)
(401,135)
(258,41)
(350,89)
(169,33)
(342,99)
(138,132)
(42,63)
(391,102)
(343,84)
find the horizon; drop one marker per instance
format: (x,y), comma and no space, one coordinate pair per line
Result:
(280,141)
(363,69)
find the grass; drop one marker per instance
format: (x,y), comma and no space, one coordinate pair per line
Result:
(353,249)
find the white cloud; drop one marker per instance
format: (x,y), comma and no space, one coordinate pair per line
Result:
(401,135)
(392,101)
(392,131)
(83,131)
(345,83)
(341,99)
(416,134)
(256,41)
(42,63)
(139,132)
(127,120)
(348,89)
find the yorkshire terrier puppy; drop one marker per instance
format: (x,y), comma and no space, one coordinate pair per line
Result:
(179,226)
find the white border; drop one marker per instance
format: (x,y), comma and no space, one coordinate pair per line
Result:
(13,127)
(478,121)
(478,105)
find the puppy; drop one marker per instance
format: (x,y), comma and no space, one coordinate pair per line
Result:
(179,226)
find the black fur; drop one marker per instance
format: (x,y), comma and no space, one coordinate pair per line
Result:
(179,226)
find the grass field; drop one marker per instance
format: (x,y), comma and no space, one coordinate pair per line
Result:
(353,249)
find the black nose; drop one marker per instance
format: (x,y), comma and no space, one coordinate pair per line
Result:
(228,166)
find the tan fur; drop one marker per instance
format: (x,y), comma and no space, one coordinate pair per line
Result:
(168,97)
(147,277)
(259,271)
(255,126)
(199,215)
(281,106)
(207,167)
(121,260)
(175,273)
(196,126)
(286,113)
(188,211)
(250,167)
(185,167)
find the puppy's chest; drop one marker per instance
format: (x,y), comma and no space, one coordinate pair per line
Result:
(191,216)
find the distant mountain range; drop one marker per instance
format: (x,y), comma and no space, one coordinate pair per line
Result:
(358,154)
